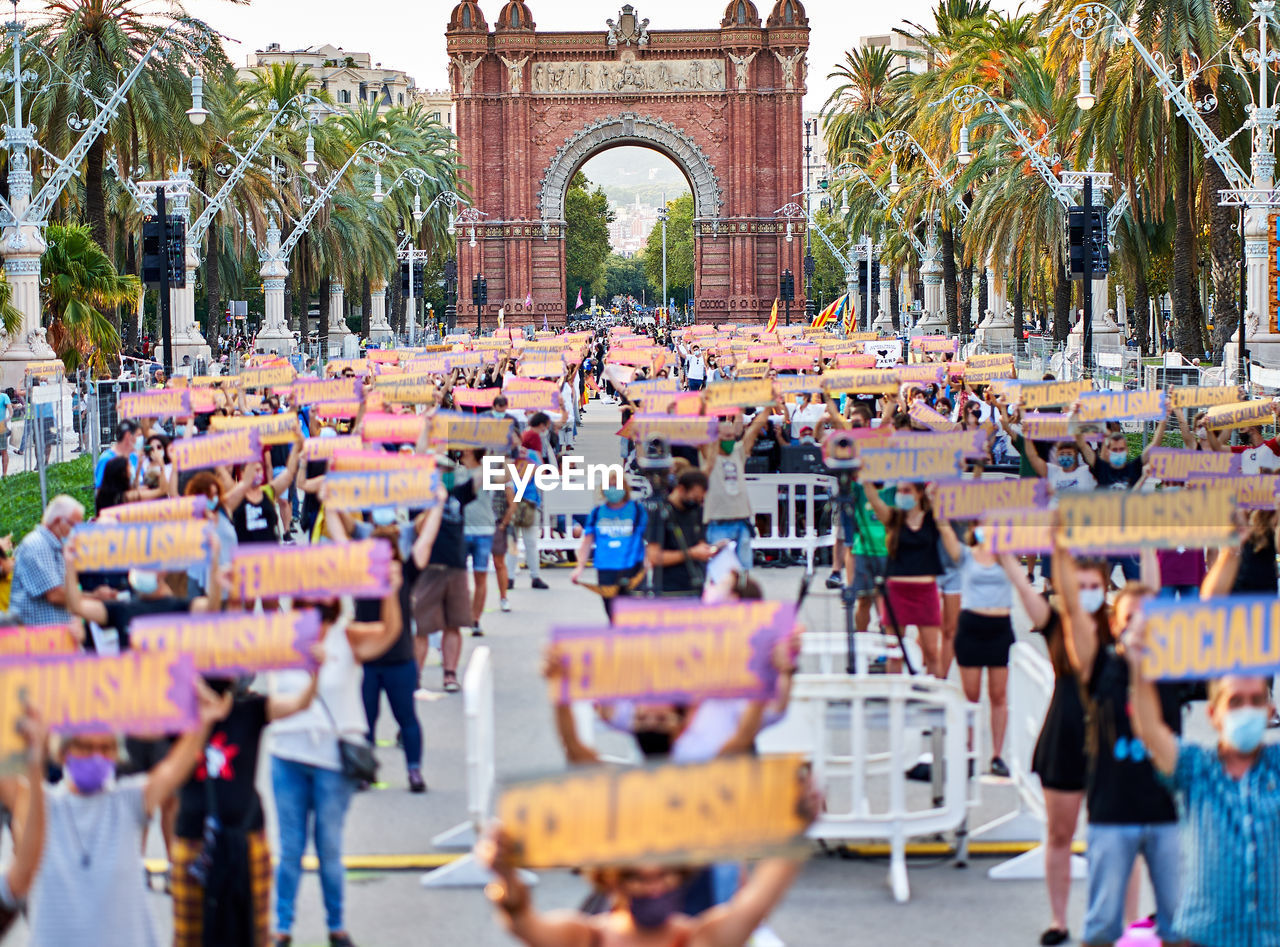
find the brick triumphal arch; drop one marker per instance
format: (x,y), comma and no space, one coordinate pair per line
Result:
(723,104)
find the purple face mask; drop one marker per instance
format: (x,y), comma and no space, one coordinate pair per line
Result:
(89,773)
(652,912)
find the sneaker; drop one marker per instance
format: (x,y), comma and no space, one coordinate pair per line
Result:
(340,939)
(423,694)
(834,581)
(539,584)
(477,631)
(451,685)
(416,783)
(511,585)
(998,767)
(504,605)
(1054,936)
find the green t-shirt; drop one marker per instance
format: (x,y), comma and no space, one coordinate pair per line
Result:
(1024,465)
(867,537)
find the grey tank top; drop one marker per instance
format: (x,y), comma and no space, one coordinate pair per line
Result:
(983,586)
(727,488)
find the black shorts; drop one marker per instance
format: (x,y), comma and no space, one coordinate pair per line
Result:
(144,755)
(983,641)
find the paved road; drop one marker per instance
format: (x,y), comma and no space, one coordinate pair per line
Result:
(835,901)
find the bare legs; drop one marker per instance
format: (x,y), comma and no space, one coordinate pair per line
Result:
(1062,810)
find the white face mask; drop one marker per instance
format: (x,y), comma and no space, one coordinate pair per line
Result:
(1091,600)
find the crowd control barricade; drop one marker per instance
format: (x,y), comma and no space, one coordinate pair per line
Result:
(856,729)
(481,771)
(1031,684)
(787,509)
(553,534)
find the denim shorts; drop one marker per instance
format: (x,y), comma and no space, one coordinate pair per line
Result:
(865,571)
(480,549)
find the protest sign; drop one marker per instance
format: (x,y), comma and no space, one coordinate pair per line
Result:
(797,384)
(346,461)
(738,394)
(541,369)
(20,642)
(1111,521)
(134,693)
(436,364)
(323,448)
(114,547)
(970,499)
(1176,464)
(854,360)
(315,391)
(1240,414)
(215,450)
(978,374)
(1056,427)
(679,432)
(1191,396)
(156,511)
(266,570)
(391,379)
(854,381)
(892,464)
(727,809)
(234,643)
(337,366)
(1252,491)
(655,613)
(464,397)
(452,430)
(887,352)
(271,428)
(533,399)
(683,664)
(343,410)
(1034,395)
(409,393)
(926,374)
(274,376)
(1017,531)
(753,370)
(392,428)
(156,403)
(921,413)
(1190,641)
(363,490)
(47,368)
(1121,406)
(638,390)
(970,443)
(792,361)
(206,400)
(383,356)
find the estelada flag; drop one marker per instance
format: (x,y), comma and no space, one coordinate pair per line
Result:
(847,310)
(773,318)
(528,301)
(822,318)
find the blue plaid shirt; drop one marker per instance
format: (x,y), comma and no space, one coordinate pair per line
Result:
(1230,849)
(38,567)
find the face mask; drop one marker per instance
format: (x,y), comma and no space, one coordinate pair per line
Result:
(89,773)
(212,504)
(1067,461)
(614,495)
(726,446)
(807,441)
(383,516)
(447,478)
(1244,727)
(1092,599)
(653,742)
(1201,433)
(1118,458)
(904,501)
(978,535)
(651,913)
(143,581)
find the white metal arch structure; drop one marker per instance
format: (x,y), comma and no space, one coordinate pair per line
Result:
(901,140)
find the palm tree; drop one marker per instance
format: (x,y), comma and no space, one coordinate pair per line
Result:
(80,281)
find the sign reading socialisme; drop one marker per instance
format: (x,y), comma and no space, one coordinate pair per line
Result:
(108,547)
(1236,634)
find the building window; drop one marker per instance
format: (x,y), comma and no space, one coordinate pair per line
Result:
(742,13)
(400,98)
(466,18)
(344,96)
(435,116)
(364,91)
(790,16)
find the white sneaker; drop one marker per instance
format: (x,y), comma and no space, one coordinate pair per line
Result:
(505,605)
(765,937)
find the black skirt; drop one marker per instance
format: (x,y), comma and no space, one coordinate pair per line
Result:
(1059,755)
(983,641)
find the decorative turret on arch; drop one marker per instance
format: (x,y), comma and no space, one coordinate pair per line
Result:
(630,128)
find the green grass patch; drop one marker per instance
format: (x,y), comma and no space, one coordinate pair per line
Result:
(20,506)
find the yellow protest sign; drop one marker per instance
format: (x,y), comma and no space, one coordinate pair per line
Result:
(452,430)
(1191,396)
(1237,634)
(922,414)
(1051,394)
(369,489)
(271,428)
(861,381)
(409,393)
(729,808)
(1240,414)
(797,384)
(753,370)
(270,377)
(891,465)
(1111,521)
(1121,406)
(978,374)
(738,394)
(107,547)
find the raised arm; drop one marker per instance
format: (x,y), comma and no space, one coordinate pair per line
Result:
(281,483)
(730,925)
(1038,463)
(753,430)
(1144,703)
(514,903)
(1087,452)
(1081,636)
(1157,439)
(1037,608)
(29,837)
(882,511)
(176,768)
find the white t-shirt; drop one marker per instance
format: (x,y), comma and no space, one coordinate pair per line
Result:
(696,368)
(1259,460)
(808,416)
(1076,480)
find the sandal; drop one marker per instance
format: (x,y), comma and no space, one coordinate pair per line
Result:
(451,685)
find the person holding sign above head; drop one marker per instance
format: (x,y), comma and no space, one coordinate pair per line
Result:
(1129,811)
(1257,453)
(254,501)
(727,510)
(1249,566)
(913,566)
(1227,805)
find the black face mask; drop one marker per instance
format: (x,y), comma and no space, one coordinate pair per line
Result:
(653,742)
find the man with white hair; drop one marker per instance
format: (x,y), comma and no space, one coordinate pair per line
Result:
(39,596)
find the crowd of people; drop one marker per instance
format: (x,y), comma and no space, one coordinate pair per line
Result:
(700,411)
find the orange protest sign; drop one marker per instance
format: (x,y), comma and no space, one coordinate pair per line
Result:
(18,642)
(1190,396)
(270,377)
(1110,521)
(271,428)
(738,394)
(106,547)
(1240,414)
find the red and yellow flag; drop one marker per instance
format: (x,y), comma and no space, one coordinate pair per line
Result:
(822,318)
(773,318)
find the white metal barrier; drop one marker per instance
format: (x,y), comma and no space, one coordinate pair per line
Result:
(829,650)
(838,714)
(790,512)
(481,775)
(1031,683)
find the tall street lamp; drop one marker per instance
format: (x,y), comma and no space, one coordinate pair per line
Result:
(664,215)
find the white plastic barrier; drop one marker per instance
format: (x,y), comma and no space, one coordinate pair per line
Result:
(552,537)
(481,770)
(830,650)
(790,513)
(1031,685)
(839,714)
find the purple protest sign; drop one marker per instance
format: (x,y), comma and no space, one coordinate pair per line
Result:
(265,570)
(234,643)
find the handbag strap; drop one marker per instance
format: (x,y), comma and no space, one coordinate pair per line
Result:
(328,713)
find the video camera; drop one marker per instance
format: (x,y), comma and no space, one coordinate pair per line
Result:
(840,454)
(654,461)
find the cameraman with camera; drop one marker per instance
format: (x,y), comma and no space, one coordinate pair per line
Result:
(676,547)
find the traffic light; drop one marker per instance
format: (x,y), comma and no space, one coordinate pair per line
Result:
(418,267)
(875,277)
(404,279)
(479,291)
(1101,256)
(164,244)
(787,286)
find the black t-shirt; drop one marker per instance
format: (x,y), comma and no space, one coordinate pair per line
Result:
(311,501)
(450,547)
(257,522)
(121,614)
(1121,783)
(370,609)
(231,761)
(917,550)
(682,529)
(1257,572)
(1116,478)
